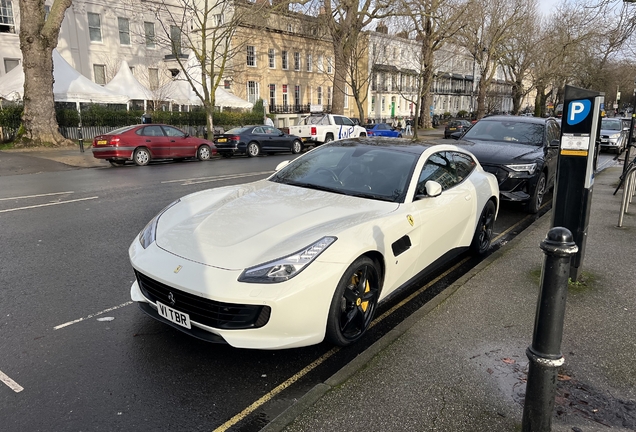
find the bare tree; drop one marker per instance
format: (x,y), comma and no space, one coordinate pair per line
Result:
(38,38)
(492,23)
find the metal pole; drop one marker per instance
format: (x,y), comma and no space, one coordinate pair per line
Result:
(629,143)
(545,352)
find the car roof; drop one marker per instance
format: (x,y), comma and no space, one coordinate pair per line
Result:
(415,147)
(516,119)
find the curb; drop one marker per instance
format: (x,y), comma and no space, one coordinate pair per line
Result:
(312,396)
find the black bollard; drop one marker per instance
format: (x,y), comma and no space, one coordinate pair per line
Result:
(545,352)
(80,137)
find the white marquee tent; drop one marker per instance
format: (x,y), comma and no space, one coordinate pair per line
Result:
(69,85)
(124,83)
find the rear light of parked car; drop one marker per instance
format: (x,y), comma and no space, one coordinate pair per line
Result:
(313,131)
(234,138)
(114,141)
(369,133)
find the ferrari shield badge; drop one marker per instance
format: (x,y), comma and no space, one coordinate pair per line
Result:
(410,219)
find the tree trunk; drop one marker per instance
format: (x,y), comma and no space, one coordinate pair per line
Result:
(341,59)
(517,96)
(37,41)
(539,101)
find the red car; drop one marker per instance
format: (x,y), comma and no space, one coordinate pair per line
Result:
(145,142)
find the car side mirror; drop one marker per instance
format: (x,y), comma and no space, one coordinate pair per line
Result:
(185,135)
(455,135)
(433,189)
(281,165)
(555,143)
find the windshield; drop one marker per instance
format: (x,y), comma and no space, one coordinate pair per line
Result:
(236,131)
(350,169)
(611,124)
(507,131)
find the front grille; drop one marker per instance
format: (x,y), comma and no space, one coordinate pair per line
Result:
(211,313)
(500,173)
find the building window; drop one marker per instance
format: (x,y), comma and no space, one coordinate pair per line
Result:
(383,106)
(329,97)
(310,66)
(285,96)
(175,40)
(100,74)
(227,84)
(346,97)
(10,64)
(297,100)
(251,55)
(272,58)
(218,20)
(284,60)
(320,66)
(94,27)
(290,28)
(330,65)
(124,30)
(149,29)
(7,24)
(153,78)
(296,61)
(252,91)
(319,95)
(272,95)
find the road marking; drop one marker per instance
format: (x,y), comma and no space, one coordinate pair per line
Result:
(48,204)
(36,196)
(91,316)
(10,383)
(197,180)
(240,416)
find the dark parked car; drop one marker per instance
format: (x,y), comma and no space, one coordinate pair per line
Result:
(146,142)
(254,140)
(454,126)
(382,129)
(520,151)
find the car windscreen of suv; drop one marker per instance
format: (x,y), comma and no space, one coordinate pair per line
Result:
(507,131)
(611,124)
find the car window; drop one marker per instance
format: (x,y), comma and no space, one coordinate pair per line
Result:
(364,171)
(238,130)
(346,121)
(153,131)
(337,120)
(464,165)
(611,124)
(507,131)
(258,130)
(173,131)
(270,130)
(440,168)
(554,132)
(120,130)
(383,126)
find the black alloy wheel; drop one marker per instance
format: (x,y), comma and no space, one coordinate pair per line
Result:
(484,230)
(354,303)
(536,199)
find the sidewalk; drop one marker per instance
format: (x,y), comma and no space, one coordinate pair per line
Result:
(67,155)
(460,365)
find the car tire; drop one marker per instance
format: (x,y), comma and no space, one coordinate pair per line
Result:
(484,230)
(204,153)
(399,136)
(296,147)
(536,199)
(354,302)
(363,135)
(141,157)
(116,163)
(226,155)
(328,138)
(253,149)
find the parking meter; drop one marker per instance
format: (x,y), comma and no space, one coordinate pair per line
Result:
(580,128)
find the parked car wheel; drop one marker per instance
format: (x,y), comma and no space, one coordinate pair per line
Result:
(536,199)
(483,231)
(328,138)
(253,149)
(297,147)
(141,156)
(204,153)
(354,302)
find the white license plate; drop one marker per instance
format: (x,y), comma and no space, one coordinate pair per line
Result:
(173,315)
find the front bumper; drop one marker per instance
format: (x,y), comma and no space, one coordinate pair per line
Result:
(297,309)
(513,186)
(612,143)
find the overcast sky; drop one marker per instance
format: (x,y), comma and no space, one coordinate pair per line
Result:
(545,6)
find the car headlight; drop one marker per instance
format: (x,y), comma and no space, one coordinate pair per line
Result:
(529,168)
(148,234)
(287,267)
(615,136)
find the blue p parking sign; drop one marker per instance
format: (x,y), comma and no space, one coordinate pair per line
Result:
(578,111)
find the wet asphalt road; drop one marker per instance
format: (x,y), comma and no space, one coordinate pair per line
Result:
(85,357)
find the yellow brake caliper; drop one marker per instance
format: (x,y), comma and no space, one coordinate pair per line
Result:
(363,304)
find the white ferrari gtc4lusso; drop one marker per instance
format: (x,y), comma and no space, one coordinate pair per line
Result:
(306,254)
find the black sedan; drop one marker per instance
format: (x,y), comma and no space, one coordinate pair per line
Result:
(520,151)
(454,126)
(254,140)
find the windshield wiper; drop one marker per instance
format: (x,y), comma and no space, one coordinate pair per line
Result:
(309,186)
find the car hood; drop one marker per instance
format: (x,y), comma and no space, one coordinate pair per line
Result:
(499,153)
(241,226)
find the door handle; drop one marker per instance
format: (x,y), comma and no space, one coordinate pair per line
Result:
(467,197)
(172,140)
(148,141)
